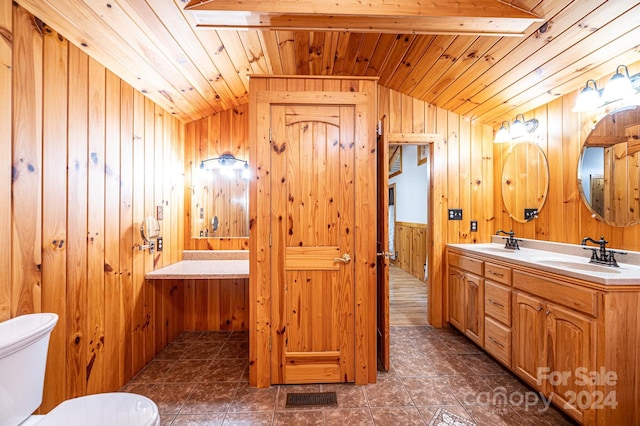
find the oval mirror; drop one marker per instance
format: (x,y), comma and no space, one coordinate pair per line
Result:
(525,181)
(609,168)
(220,200)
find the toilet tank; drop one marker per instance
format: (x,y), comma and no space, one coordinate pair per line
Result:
(24,342)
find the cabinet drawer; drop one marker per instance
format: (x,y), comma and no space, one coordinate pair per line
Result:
(497,341)
(497,302)
(497,273)
(572,296)
(467,263)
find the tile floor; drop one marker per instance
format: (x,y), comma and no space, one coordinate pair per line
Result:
(202,379)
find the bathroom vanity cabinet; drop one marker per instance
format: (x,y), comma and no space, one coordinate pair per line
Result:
(577,341)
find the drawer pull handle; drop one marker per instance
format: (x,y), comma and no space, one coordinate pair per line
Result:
(496,342)
(496,273)
(548,312)
(496,303)
(539,308)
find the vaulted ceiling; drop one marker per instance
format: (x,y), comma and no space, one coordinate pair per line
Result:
(483,58)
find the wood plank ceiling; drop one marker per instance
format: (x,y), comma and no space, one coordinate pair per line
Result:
(485,59)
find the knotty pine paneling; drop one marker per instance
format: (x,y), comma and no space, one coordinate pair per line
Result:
(6,29)
(411,246)
(564,217)
(461,177)
(90,158)
(210,137)
(213,305)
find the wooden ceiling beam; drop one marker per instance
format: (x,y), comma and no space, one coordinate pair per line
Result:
(437,9)
(236,20)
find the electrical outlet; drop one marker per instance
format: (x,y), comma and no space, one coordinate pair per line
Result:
(159,212)
(159,244)
(530,214)
(474,226)
(455,214)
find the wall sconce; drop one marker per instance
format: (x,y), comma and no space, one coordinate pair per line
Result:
(503,135)
(229,162)
(589,98)
(620,86)
(519,129)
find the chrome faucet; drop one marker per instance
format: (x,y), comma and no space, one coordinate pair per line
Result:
(510,243)
(601,255)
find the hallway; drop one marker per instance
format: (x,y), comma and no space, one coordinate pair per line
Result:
(407,298)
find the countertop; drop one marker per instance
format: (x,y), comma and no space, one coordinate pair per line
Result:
(570,260)
(205,264)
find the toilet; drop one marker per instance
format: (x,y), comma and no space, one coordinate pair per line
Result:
(24,342)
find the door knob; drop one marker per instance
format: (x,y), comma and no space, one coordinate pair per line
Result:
(344,259)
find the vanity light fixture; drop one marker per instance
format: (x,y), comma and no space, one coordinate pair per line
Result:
(589,98)
(503,135)
(620,86)
(227,161)
(518,130)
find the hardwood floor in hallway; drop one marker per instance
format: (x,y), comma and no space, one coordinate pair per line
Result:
(407,298)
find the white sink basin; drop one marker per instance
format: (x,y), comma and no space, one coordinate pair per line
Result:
(568,264)
(499,250)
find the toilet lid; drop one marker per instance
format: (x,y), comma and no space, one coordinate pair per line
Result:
(105,409)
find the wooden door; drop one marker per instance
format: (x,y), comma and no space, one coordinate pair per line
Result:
(313,235)
(474,305)
(382,262)
(571,343)
(529,330)
(457,298)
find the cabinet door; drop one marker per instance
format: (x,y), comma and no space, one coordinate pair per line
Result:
(474,315)
(456,298)
(571,343)
(529,328)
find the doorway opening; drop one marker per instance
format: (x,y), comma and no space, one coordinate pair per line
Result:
(408,232)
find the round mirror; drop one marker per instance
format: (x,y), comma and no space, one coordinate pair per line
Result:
(609,168)
(525,181)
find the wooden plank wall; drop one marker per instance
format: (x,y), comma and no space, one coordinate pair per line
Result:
(90,158)
(210,137)
(411,247)
(212,305)
(6,30)
(564,217)
(462,176)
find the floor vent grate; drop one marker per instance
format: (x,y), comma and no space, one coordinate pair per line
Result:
(311,398)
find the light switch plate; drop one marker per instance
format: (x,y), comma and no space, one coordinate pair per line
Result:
(530,214)
(159,212)
(159,244)
(455,214)
(474,226)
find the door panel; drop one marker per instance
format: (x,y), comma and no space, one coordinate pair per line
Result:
(474,302)
(529,328)
(571,343)
(312,222)
(457,298)
(382,261)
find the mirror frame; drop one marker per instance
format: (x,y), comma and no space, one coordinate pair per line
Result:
(540,204)
(583,148)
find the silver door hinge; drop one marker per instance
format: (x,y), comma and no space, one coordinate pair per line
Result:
(379,128)
(269,343)
(269,239)
(270,139)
